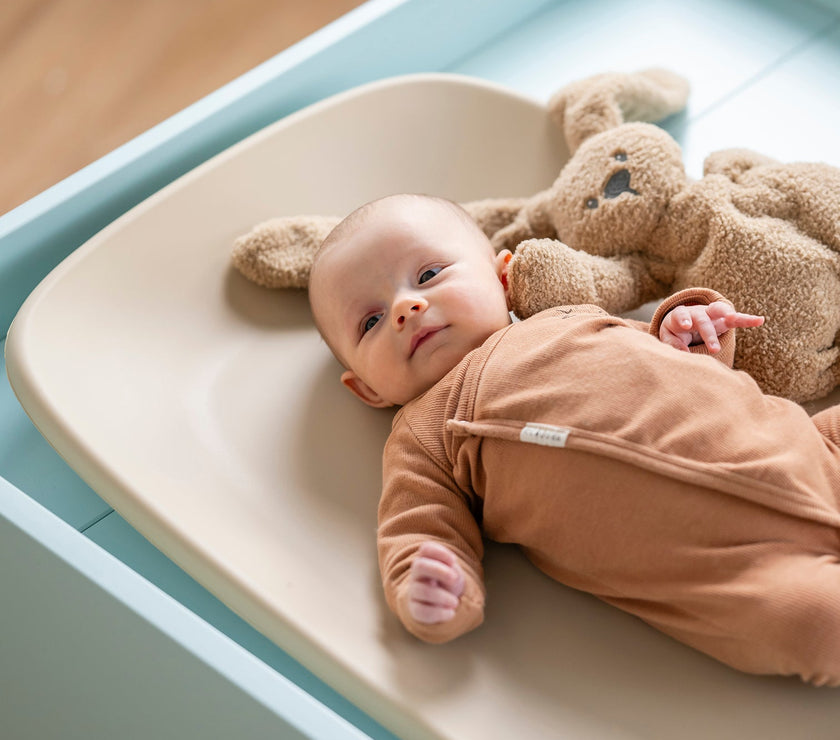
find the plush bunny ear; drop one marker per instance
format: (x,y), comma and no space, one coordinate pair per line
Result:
(588,107)
(279,253)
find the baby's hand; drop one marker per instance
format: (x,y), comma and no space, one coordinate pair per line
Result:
(686,325)
(435,584)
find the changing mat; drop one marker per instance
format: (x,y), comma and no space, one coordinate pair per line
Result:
(208,412)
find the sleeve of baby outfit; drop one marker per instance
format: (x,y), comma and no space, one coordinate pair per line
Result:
(695,297)
(420,502)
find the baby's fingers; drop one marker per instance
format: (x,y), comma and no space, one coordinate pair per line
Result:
(437,551)
(678,340)
(437,562)
(675,328)
(678,320)
(429,613)
(433,570)
(430,603)
(726,317)
(743,321)
(704,327)
(433,595)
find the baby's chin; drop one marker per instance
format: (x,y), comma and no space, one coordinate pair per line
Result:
(436,369)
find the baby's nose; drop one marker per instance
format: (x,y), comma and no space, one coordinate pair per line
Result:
(405,306)
(401,316)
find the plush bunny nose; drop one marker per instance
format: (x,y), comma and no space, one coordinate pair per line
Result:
(619,183)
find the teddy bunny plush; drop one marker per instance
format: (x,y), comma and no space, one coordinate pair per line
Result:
(623,225)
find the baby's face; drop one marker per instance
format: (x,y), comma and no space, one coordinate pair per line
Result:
(405,296)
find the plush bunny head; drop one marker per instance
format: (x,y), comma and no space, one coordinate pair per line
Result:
(613,192)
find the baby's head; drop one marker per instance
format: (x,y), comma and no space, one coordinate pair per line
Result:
(401,290)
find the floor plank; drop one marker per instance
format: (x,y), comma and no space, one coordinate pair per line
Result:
(81,77)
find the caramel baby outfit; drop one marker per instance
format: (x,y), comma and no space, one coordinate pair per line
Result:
(663,482)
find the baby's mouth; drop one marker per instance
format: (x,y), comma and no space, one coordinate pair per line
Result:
(421,337)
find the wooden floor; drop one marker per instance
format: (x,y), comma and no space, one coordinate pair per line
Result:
(81,77)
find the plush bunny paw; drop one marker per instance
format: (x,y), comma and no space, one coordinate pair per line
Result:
(545,273)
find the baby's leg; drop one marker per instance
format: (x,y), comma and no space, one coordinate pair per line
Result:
(781,616)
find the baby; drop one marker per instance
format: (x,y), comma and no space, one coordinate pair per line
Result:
(659,480)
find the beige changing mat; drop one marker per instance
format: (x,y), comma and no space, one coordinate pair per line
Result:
(207,411)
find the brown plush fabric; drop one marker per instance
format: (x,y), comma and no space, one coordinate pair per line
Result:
(541,270)
(588,107)
(494,214)
(278,253)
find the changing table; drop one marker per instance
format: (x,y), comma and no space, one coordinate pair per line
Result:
(100,634)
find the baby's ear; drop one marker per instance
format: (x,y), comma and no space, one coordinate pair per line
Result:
(588,107)
(363,391)
(502,264)
(279,253)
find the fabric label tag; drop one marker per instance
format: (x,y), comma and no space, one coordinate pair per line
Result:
(544,434)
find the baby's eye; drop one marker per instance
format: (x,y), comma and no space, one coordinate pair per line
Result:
(370,322)
(429,274)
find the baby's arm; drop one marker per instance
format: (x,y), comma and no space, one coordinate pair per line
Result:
(435,584)
(684,325)
(430,544)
